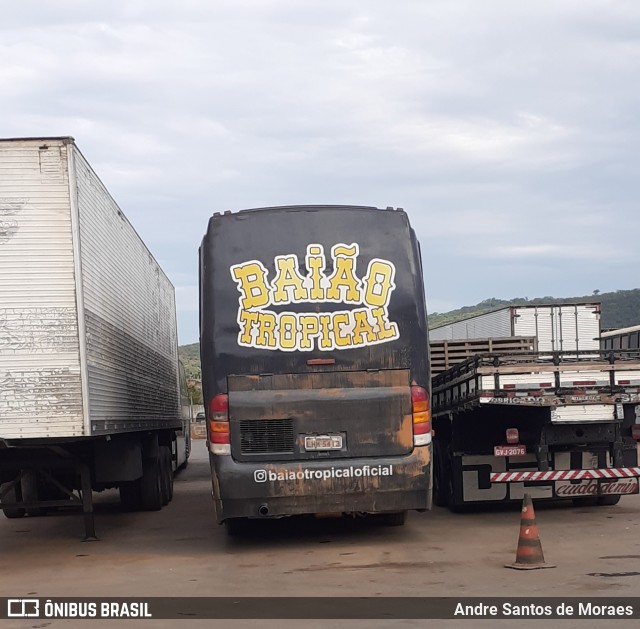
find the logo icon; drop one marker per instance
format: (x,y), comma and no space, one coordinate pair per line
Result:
(23,608)
(260,476)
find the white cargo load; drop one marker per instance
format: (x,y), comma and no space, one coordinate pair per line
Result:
(561,327)
(87,317)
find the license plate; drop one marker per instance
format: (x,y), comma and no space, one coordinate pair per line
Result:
(323,442)
(509,450)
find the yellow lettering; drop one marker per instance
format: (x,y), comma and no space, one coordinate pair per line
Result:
(316,265)
(247,321)
(266,330)
(309,328)
(344,258)
(325,331)
(341,321)
(289,331)
(287,328)
(386,330)
(251,278)
(362,327)
(287,277)
(379,283)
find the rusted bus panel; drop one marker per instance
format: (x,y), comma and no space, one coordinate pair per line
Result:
(372,412)
(322,486)
(328,380)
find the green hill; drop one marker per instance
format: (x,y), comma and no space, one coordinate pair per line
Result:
(190,357)
(620,309)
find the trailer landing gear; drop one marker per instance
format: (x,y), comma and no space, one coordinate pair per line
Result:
(29,492)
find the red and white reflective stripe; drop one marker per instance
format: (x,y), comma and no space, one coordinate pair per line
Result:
(611,473)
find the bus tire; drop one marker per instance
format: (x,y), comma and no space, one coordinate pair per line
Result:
(397,518)
(608,501)
(151,484)
(236,527)
(13,495)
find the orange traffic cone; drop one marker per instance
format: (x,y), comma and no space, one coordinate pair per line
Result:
(529,554)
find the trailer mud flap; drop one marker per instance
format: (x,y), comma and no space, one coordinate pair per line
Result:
(586,488)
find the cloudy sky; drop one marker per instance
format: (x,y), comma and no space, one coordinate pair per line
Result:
(509,131)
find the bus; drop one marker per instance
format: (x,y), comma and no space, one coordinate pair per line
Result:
(315,372)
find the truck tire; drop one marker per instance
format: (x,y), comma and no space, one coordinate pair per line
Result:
(441,478)
(130,497)
(13,495)
(151,484)
(587,501)
(608,501)
(445,489)
(166,475)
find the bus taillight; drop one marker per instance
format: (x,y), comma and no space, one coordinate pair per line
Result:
(421,410)
(219,424)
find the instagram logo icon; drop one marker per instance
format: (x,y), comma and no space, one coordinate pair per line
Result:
(260,476)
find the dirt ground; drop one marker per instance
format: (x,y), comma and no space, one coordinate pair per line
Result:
(181,551)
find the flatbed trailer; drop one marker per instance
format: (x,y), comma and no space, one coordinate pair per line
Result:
(554,424)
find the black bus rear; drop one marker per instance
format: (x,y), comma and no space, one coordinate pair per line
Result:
(315,375)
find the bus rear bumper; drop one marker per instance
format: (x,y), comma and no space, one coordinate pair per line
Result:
(367,485)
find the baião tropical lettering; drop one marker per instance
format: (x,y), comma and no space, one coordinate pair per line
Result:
(365,322)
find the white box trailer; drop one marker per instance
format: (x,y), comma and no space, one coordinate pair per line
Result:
(88,340)
(557,327)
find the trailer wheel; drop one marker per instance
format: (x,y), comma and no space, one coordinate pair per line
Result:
(608,501)
(151,484)
(29,485)
(170,473)
(130,497)
(166,475)
(187,449)
(13,495)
